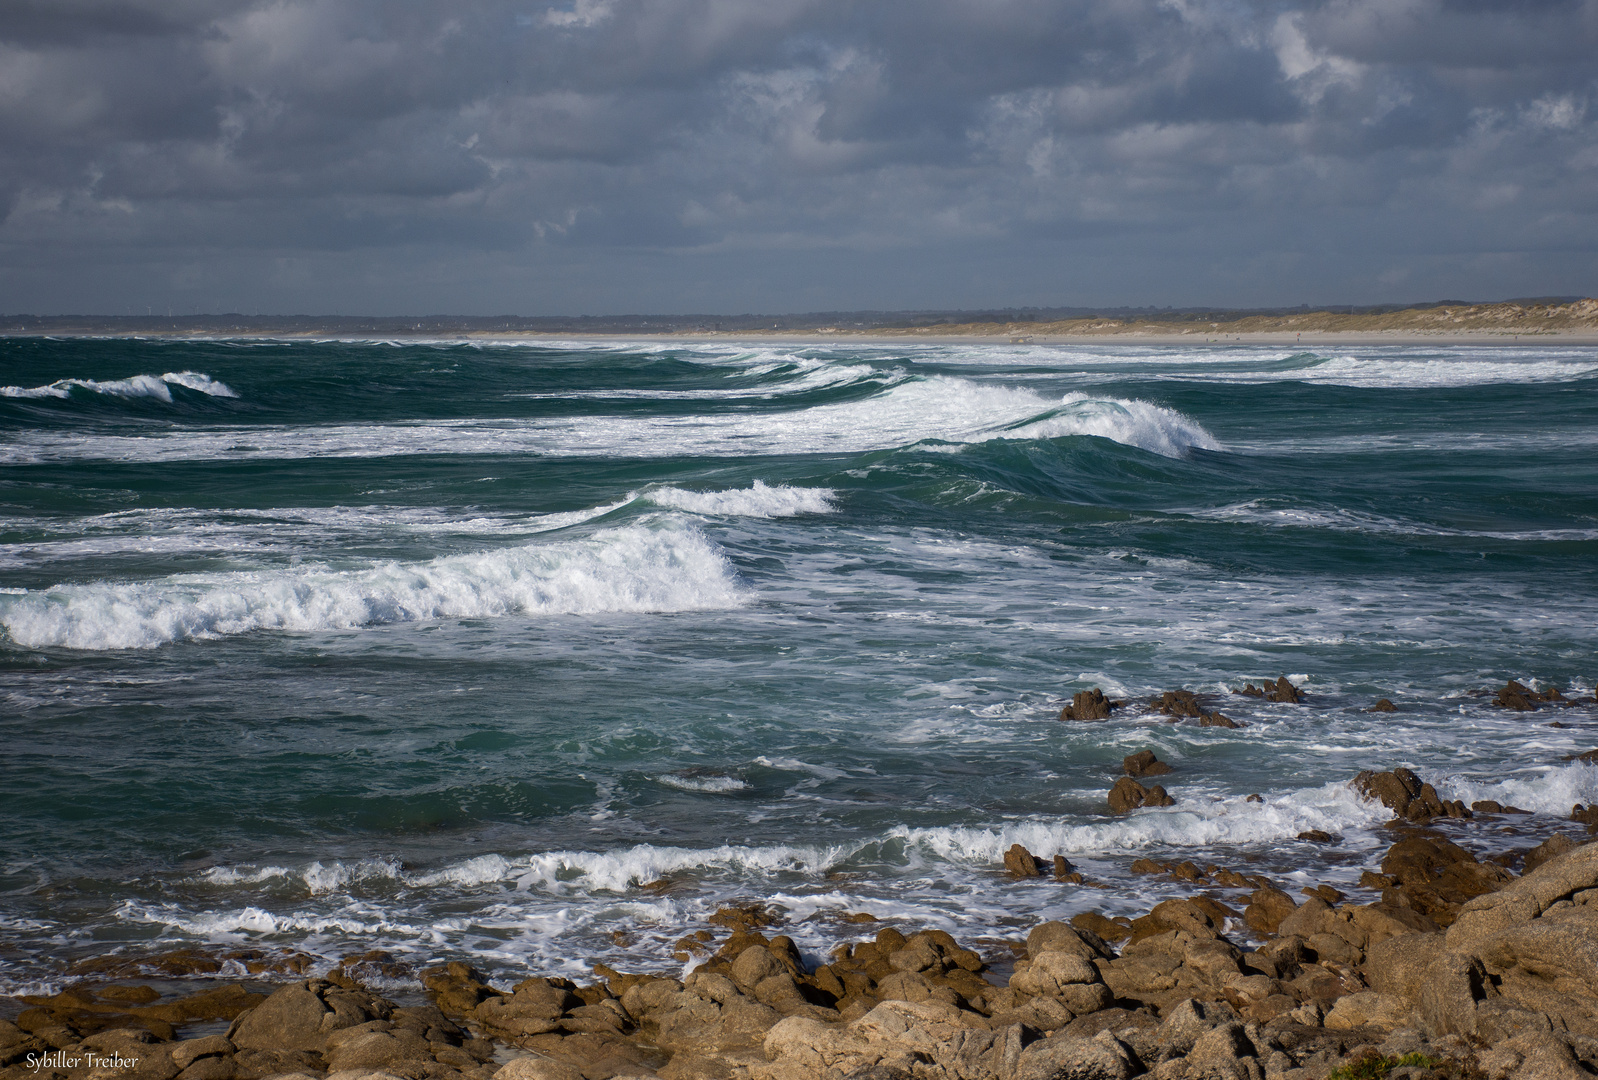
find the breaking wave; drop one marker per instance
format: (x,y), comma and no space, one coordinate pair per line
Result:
(629,569)
(158,387)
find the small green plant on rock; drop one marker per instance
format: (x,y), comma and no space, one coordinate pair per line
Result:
(1376,1067)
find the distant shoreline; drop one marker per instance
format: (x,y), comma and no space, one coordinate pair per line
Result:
(1572,322)
(1581,337)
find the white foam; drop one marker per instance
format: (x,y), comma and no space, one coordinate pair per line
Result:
(758,501)
(1193,822)
(709,783)
(146,386)
(937,408)
(258,921)
(1553,789)
(1343,520)
(1134,423)
(630,569)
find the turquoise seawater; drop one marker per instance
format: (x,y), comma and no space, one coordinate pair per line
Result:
(493,650)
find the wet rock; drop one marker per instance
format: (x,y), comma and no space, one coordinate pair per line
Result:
(1020,862)
(1520,698)
(1088,705)
(1318,836)
(1065,871)
(745,917)
(1402,792)
(1179,703)
(1144,763)
(1219,720)
(1281,690)
(1585,815)
(1128,794)
(1383,705)
(1589,756)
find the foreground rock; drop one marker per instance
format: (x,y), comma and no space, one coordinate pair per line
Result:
(306,1029)
(1460,969)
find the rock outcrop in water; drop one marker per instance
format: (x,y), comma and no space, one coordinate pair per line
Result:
(1281,690)
(1143,763)
(1127,794)
(1180,704)
(1089,705)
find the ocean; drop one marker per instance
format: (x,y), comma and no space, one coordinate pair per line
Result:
(534,654)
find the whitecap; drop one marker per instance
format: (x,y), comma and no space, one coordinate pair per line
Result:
(137,386)
(629,569)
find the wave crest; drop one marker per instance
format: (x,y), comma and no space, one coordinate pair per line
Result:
(158,387)
(630,569)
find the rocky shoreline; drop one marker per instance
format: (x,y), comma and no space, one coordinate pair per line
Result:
(1464,967)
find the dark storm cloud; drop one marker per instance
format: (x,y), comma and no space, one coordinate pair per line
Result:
(715,154)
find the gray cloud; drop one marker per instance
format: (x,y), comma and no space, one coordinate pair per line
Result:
(607,155)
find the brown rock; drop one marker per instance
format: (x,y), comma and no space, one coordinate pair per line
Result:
(1127,794)
(1088,705)
(754,965)
(1394,790)
(1179,703)
(302,1016)
(189,1051)
(1586,815)
(537,1068)
(1448,995)
(1020,862)
(134,995)
(1267,908)
(1550,848)
(1216,719)
(1144,763)
(1281,690)
(1064,871)
(1383,705)
(1108,929)
(1318,836)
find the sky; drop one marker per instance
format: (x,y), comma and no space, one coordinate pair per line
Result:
(725,156)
